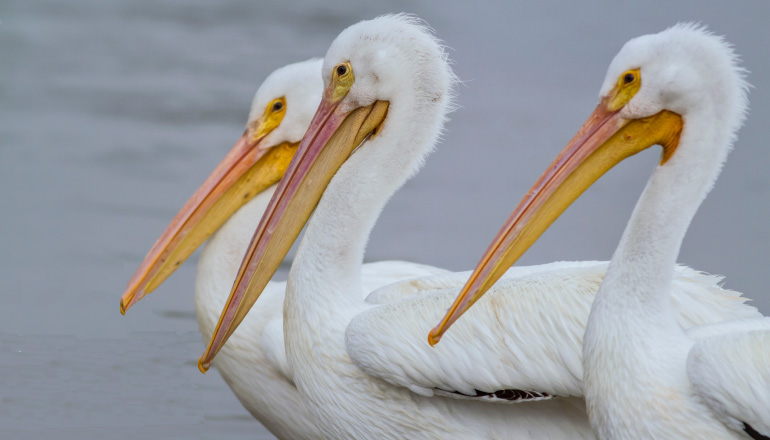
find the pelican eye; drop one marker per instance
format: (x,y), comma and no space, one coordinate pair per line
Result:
(342,80)
(628,84)
(277,106)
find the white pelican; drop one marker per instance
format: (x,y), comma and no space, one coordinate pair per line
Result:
(644,376)
(254,360)
(234,197)
(363,366)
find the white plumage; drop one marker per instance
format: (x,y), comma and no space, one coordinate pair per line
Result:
(645,377)
(364,368)
(695,74)
(737,392)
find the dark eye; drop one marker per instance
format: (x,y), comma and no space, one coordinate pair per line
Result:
(342,69)
(629,78)
(278,105)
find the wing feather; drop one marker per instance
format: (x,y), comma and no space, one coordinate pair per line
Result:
(729,367)
(525,334)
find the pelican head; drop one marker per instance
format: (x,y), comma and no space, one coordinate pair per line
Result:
(681,89)
(387,89)
(280,114)
(685,70)
(393,59)
(295,90)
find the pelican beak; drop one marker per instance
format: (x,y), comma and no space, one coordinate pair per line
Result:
(248,169)
(332,137)
(601,143)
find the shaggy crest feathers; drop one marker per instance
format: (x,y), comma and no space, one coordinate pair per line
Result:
(737,74)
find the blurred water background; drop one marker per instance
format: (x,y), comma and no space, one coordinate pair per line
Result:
(113,112)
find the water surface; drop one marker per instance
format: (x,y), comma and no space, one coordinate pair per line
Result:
(113,112)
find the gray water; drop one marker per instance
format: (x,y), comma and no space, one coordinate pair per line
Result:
(113,112)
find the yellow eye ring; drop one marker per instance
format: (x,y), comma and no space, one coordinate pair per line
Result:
(628,84)
(270,119)
(342,80)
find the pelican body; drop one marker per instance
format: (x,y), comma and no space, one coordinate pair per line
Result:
(362,366)
(644,375)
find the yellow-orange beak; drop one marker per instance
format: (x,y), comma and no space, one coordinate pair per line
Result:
(331,138)
(600,144)
(248,169)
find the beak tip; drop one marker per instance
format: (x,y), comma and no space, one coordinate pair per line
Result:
(203,366)
(434,337)
(123,307)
